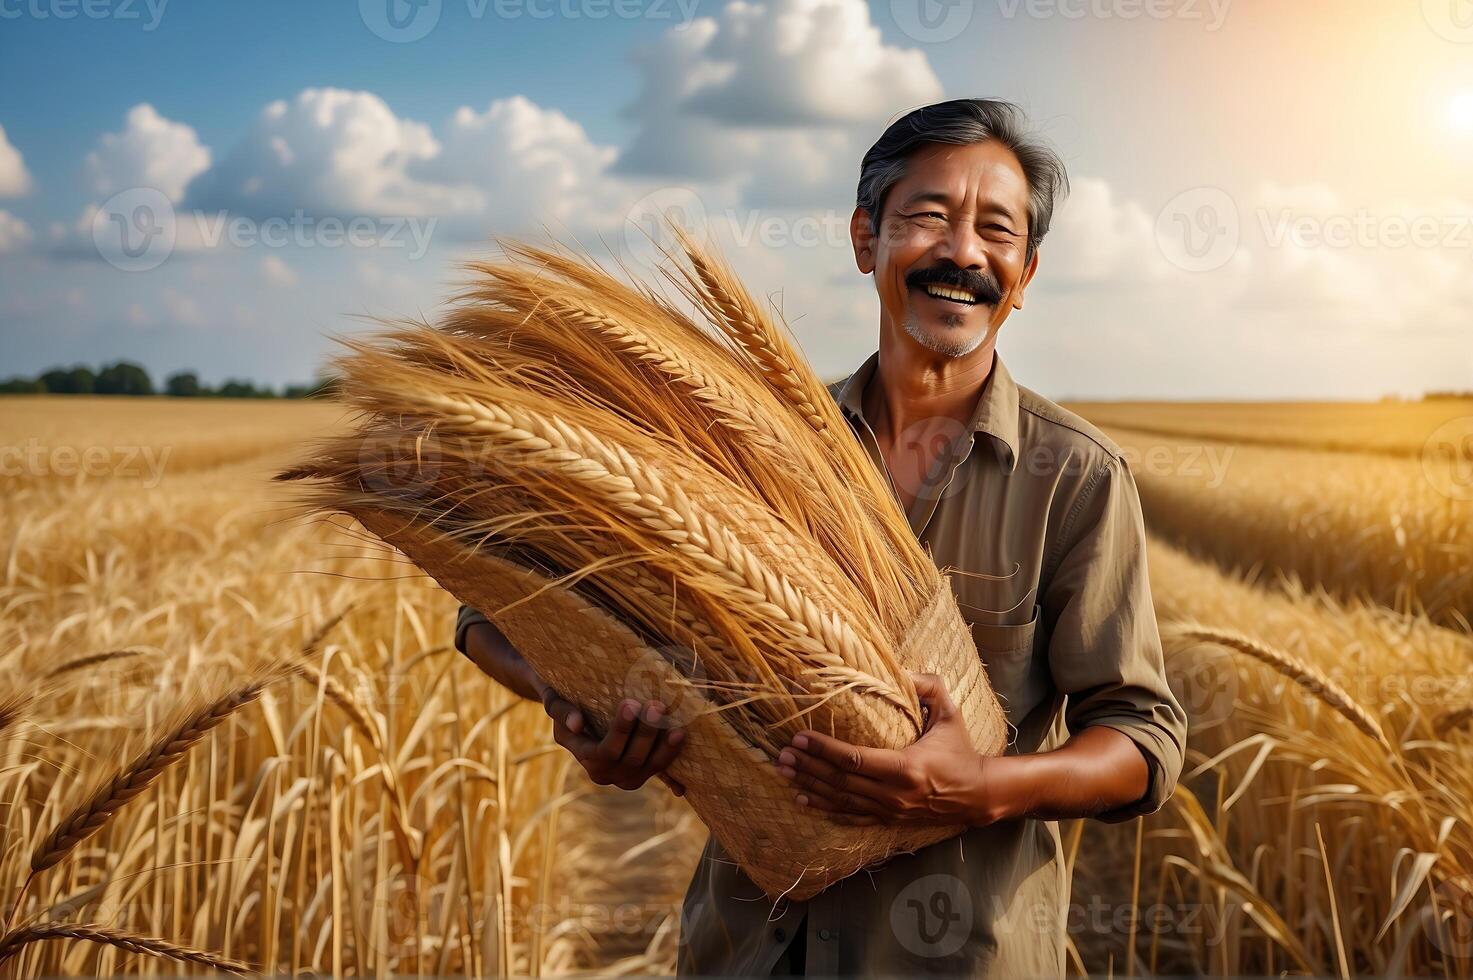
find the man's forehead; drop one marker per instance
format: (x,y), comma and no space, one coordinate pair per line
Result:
(954,171)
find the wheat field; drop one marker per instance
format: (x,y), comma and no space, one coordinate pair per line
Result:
(231,739)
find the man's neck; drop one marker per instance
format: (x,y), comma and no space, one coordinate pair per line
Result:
(913,386)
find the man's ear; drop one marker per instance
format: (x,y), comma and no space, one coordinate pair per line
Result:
(1023,283)
(863,239)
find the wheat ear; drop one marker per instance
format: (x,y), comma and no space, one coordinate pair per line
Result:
(753,331)
(573,452)
(90,660)
(13,707)
(99,806)
(1305,675)
(13,942)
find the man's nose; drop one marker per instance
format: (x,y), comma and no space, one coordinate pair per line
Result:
(964,247)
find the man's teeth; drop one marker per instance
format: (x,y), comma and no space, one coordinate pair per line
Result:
(947,292)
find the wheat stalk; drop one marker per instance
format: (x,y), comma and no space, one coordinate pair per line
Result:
(12,943)
(90,660)
(93,813)
(748,325)
(1307,676)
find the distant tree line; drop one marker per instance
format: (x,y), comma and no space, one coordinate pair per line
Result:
(127,378)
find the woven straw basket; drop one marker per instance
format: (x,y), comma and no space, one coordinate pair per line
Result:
(785,849)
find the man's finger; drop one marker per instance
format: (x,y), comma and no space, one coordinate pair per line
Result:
(880,764)
(841,802)
(642,740)
(562,711)
(666,749)
(580,745)
(621,727)
(810,771)
(933,694)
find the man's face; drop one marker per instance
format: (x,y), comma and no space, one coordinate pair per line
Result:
(949,259)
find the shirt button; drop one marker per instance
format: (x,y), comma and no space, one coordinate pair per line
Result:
(825,935)
(781,935)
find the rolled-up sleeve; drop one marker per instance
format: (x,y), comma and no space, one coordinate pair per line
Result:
(1104,646)
(464,620)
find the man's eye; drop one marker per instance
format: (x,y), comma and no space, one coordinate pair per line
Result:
(927,216)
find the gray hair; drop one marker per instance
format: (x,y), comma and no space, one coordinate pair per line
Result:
(965,121)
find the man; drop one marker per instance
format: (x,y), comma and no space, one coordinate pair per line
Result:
(1037,513)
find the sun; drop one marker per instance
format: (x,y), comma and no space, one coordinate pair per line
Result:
(1460,113)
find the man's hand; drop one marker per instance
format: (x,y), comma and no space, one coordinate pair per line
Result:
(940,778)
(640,743)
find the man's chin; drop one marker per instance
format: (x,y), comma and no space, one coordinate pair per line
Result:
(948,341)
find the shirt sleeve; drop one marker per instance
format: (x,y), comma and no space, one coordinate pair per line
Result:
(1105,647)
(464,620)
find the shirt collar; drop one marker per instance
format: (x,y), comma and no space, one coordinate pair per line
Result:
(996,414)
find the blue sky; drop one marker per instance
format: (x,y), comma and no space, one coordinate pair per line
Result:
(1319,151)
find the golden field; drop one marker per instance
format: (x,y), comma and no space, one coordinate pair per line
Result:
(387,809)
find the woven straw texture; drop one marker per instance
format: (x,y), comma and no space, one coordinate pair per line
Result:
(579,647)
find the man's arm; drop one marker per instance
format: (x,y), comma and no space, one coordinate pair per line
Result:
(1128,730)
(640,742)
(489,649)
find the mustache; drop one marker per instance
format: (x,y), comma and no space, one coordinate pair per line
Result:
(980,284)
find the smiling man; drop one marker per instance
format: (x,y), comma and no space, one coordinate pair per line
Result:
(1037,512)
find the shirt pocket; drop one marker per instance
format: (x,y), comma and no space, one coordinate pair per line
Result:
(1007,651)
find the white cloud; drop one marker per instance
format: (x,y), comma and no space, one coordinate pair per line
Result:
(15,180)
(721,98)
(278,273)
(151,151)
(331,151)
(805,62)
(14,233)
(1098,239)
(530,165)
